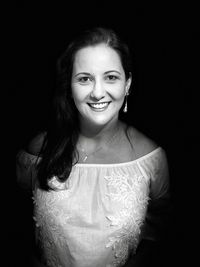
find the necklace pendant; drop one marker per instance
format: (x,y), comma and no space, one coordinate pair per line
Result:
(85,158)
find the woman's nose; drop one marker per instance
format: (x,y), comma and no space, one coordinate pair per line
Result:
(98,90)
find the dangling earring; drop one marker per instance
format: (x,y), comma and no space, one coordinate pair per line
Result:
(126,105)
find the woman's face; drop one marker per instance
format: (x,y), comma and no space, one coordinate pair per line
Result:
(98,84)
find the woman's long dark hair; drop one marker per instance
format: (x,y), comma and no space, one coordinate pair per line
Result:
(59,147)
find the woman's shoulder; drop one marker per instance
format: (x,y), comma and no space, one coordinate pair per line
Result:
(36,143)
(141,143)
(26,161)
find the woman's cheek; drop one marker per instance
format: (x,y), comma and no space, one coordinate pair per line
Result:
(118,92)
(81,92)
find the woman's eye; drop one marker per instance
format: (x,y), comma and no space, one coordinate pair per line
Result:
(111,77)
(84,79)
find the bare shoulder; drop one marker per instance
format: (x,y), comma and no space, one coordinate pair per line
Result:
(36,143)
(141,143)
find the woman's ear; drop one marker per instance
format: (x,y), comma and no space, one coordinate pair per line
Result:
(128,84)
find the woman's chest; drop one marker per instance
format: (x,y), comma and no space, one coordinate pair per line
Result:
(116,197)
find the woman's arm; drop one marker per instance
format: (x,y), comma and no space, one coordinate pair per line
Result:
(159,208)
(154,239)
(26,161)
(145,256)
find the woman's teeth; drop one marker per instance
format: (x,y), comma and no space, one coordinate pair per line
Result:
(99,105)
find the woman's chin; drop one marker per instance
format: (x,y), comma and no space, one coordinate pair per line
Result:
(100,121)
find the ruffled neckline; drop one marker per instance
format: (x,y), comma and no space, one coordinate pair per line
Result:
(120,163)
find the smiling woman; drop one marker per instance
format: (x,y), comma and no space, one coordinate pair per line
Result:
(100,187)
(99,85)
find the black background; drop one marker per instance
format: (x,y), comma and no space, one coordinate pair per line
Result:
(163,105)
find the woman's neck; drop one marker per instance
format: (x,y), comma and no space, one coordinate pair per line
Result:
(93,140)
(98,133)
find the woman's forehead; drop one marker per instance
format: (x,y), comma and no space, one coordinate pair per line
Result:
(97,57)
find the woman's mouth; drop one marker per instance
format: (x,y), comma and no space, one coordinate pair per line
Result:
(99,106)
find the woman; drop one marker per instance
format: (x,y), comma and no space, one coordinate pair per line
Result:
(97,182)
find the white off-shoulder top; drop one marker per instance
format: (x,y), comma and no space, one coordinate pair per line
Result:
(99,215)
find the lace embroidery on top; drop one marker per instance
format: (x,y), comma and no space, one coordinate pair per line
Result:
(132,194)
(48,219)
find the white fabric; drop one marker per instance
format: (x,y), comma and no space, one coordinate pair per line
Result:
(95,218)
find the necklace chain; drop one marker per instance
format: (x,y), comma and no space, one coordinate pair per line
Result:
(100,147)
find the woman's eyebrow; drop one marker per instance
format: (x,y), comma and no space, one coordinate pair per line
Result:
(112,71)
(82,73)
(87,73)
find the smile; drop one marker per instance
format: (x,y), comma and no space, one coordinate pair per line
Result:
(99,106)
